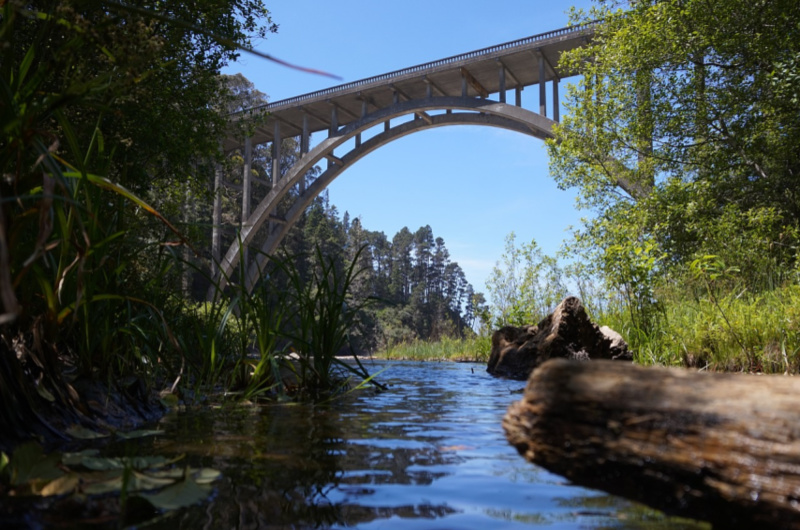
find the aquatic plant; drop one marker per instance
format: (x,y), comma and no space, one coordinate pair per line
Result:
(323,313)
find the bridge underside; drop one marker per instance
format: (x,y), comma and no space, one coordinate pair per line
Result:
(426,114)
(452,91)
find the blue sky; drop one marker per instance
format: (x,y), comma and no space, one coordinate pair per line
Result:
(472,185)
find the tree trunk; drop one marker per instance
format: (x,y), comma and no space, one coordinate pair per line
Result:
(724,448)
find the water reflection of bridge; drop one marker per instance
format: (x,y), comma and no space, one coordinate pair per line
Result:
(364,115)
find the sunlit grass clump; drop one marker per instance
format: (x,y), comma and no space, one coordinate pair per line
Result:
(474,349)
(734,331)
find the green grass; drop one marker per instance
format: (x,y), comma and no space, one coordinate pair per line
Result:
(474,349)
(734,331)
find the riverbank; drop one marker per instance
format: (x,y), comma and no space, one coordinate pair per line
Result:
(733,331)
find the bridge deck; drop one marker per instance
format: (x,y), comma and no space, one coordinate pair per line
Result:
(520,58)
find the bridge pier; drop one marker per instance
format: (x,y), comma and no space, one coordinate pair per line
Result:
(216,221)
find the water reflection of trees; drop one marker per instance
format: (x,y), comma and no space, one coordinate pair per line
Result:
(306,465)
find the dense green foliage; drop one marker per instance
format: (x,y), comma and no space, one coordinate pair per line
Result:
(97,284)
(682,138)
(418,292)
(87,268)
(524,286)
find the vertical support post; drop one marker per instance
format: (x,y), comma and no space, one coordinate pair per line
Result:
(556,110)
(276,166)
(334,120)
(463,86)
(304,140)
(334,125)
(216,221)
(395,99)
(542,86)
(363,114)
(502,73)
(247,178)
(518,96)
(428,89)
(276,154)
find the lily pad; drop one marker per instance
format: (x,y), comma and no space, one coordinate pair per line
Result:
(206,475)
(61,486)
(82,433)
(99,463)
(139,433)
(179,495)
(75,459)
(29,464)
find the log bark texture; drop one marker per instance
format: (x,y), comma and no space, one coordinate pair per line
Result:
(724,448)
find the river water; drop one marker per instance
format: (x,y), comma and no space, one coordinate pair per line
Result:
(427,453)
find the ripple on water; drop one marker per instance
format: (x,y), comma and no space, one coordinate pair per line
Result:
(428,453)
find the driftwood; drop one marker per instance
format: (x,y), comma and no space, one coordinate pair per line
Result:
(724,448)
(565,333)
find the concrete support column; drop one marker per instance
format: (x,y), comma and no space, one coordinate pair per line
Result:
(334,120)
(556,113)
(463,86)
(247,178)
(276,154)
(216,221)
(276,167)
(334,125)
(542,86)
(395,100)
(502,79)
(518,96)
(304,141)
(363,114)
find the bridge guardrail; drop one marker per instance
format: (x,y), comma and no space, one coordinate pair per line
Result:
(289,102)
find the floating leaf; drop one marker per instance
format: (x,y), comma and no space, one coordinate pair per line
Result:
(29,463)
(99,463)
(179,495)
(139,434)
(110,485)
(173,473)
(61,485)
(147,481)
(206,475)
(76,459)
(3,461)
(82,433)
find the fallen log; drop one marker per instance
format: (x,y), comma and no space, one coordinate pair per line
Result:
(723,448)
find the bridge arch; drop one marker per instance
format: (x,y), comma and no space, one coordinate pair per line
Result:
(456,111)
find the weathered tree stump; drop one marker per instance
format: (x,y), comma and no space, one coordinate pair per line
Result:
(565,333)
(724,448)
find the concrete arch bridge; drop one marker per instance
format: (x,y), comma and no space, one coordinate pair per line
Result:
(364,115)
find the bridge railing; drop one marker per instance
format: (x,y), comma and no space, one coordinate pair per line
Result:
(296,100)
